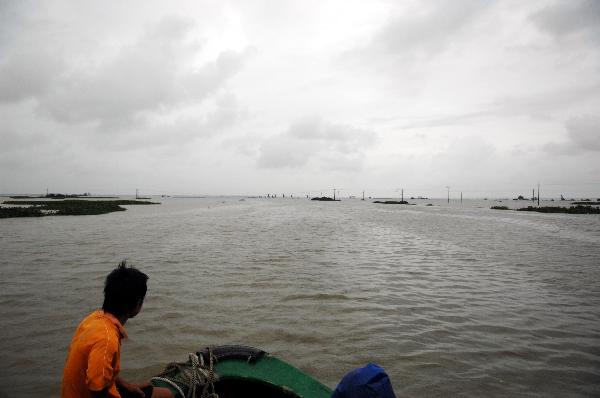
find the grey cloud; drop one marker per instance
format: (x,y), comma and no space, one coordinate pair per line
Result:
(228,112)
(153,74)
(540,105)
(27,74)
(568,17)
(467,152)
(422,32)
(543,104)
(470,158)
(20,130)
(583,135)
(14,140)
(213,74)
(29,62)
(429,31)
(584,132)
(314,140)
(562,148)
(443,121)
(177,132)
(283,152)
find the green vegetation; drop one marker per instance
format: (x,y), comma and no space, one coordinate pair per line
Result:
(8,212)
(64,196)
(392,202)
(579,209)
(71,207)
(556,209)
(326,199)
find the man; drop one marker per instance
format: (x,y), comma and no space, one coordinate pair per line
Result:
(93,362)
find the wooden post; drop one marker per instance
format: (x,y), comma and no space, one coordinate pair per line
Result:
(538,194)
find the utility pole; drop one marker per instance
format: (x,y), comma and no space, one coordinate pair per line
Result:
(538,194)
(461,198)
(402,194)
(333,193)
(363,195)
(448,194)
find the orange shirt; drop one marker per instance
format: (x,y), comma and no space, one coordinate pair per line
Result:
(93,361)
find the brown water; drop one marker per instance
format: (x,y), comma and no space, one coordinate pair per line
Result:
(451,300)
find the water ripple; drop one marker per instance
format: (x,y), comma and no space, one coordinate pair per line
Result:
(452,301)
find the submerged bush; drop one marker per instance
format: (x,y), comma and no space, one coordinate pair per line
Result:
(7,212)
(71,207)
(570,210)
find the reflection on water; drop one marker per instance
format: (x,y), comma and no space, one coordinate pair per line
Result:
(451,300)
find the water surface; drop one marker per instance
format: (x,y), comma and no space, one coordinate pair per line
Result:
(453,300)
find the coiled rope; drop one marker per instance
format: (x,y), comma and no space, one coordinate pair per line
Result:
(190,375)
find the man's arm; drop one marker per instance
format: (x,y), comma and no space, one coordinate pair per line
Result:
(131,387)
(157,392)
(99,394)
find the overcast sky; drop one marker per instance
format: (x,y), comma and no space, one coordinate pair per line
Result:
(256,97)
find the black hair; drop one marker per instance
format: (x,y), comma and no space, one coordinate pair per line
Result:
(124,288)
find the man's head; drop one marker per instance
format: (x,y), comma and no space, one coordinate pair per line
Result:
(124,291)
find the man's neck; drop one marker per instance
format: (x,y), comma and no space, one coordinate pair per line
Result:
(121,318)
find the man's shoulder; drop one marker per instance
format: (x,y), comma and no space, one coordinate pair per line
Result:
(97,326)
(93,320)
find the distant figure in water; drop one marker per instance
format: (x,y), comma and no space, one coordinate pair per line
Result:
(93,362)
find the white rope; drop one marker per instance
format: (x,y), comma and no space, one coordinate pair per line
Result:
(198,376)
(209,389)
(171,383)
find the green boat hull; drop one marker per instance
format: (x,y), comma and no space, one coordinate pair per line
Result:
(262,376)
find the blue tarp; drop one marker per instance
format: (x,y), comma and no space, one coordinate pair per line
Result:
(370,381)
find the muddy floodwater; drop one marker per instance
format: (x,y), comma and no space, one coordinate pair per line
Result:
(453,300)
